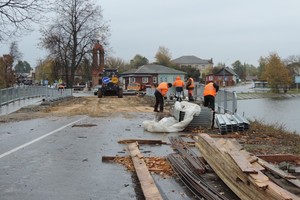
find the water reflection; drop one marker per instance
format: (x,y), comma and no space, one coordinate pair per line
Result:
(282,111)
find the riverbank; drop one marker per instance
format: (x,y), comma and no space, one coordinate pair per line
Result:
(264,139)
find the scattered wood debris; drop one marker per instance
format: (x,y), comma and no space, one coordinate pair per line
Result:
(157,165)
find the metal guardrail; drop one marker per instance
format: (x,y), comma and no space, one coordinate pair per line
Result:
(226,101)
(9,95)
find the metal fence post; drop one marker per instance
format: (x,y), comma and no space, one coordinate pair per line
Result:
(219,102)
(234,102)
(225,101)
(0,98)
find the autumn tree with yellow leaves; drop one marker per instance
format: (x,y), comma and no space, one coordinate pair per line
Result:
(276,73)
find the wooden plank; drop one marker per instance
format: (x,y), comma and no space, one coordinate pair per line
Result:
(108,158)
(277,158)
(149,188)
(246,186)
(141,141)
(289,178)
(275,170)
(245,160)
(234,152)
(222,169)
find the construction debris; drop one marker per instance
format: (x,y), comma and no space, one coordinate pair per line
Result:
(147,183)
(277,158)
(192,180)
(84,125)
(157,165)
(195,174)
(183,149)
(239,170)
(243,175)
(141,141)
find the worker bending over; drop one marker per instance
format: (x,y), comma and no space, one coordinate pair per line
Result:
(209,93)
(161,92)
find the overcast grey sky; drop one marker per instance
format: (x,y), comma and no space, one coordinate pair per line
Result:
(225,30)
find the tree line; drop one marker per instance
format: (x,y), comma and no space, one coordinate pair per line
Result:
(77,25)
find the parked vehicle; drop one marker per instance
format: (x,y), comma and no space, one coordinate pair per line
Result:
(135,87)
(111,85)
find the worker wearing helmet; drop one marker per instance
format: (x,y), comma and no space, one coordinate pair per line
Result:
(178,84)
(161,92)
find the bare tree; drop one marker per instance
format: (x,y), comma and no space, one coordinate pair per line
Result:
(71,36)
(16,16)
(293,64)
(114,62)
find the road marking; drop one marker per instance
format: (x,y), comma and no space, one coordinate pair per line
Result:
(39,138)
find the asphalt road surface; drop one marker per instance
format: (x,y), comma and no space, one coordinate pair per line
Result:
(60,158)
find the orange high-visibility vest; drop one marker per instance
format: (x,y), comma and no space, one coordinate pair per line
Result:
(178,82)
(209,89)
(163,88)
(192,85)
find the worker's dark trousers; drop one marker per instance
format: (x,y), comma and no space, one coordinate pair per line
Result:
(190,94)
(209,101)
(159,101)
(179,93)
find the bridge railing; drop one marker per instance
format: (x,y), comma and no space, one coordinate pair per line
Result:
(226,101)
(9,95)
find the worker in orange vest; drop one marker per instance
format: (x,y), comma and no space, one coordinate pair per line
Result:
(209,93)
(190,85)
(160,93)
(178,84)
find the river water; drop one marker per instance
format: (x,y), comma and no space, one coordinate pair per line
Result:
(280,111)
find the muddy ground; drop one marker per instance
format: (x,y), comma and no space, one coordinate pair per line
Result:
(259,139)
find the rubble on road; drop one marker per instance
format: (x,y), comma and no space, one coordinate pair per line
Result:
(157,165)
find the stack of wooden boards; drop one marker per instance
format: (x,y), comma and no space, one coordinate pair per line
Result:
(239,170)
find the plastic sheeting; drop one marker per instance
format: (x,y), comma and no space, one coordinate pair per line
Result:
(170,124)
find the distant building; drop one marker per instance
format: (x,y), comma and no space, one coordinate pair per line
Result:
(224,77)
(194,62)
(151,75)
(25,78)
